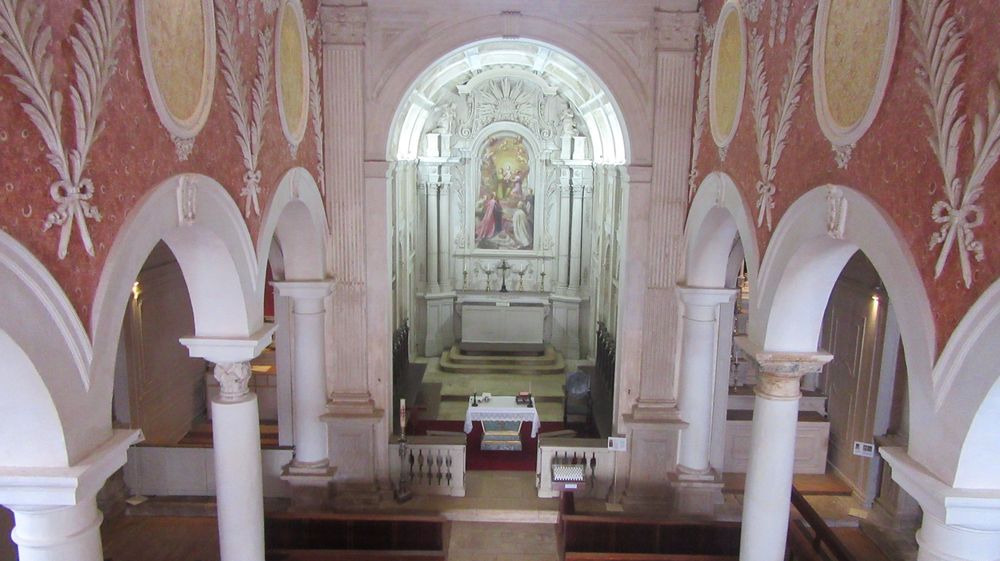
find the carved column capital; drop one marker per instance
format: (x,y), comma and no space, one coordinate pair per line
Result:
(677,31)
(779,373)
(234,380)
(344,25)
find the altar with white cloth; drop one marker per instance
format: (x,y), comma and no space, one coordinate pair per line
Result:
(501,417)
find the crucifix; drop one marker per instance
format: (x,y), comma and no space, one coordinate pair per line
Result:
(504,267)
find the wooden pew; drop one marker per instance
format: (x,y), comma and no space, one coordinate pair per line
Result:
(328,536)
(620,538)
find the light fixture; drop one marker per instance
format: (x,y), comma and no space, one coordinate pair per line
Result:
(135,290)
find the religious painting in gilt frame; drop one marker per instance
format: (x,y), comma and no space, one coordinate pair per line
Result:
(505,204)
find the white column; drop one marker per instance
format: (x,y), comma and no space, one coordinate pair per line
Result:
(576,237)
(772,452)
(698,373)
(562,264)
(432,238)
(959,524)
(444,233)
(309,390)
(55,511)
(239,487)
(58,533)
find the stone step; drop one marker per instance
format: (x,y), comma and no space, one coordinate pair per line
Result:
(458,356)
(446,365)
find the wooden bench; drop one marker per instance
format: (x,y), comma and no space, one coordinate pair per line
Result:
(620,538)
(322,536)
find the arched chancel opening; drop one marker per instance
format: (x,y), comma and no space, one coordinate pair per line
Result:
(508,184)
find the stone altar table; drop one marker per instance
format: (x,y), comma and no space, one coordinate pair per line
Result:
(503,322)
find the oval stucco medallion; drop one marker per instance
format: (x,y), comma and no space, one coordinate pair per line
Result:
(177,49)
(728,78)
(855,44)
(292,71)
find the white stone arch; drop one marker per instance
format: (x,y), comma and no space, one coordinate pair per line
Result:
(46,363)
(814,240)
(967,392)
(201,224)
(718,215)
(628,98)
(295,218)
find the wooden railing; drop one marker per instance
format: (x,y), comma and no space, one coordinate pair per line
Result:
(592,453)
(604,360)
(810,539)
(434,465)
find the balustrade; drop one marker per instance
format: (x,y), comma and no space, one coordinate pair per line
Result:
(592,453)
(432,465)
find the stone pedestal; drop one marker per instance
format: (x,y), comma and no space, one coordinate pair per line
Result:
(352,443)
(650,460)
(310,487)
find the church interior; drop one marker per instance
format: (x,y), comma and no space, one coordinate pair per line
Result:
(522,280)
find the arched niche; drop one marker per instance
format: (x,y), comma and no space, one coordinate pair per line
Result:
(814,240)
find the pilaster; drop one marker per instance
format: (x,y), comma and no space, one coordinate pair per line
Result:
(673,123)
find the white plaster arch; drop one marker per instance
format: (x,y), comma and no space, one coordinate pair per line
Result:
(814,240)
(718,214)
(201,224)
(967,392)
(630,95)
(296,220)
(549,67)
(46,363)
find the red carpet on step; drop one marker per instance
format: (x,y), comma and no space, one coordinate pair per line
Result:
(476,459)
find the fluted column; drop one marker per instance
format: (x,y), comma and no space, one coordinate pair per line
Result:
(444,232)
(239,487)
(576,235)
(673,123)
(565,202)
(308,370)
(698,373)
(772,450)
(432,237)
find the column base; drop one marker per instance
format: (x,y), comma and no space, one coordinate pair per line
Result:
(310,487)
(696,494)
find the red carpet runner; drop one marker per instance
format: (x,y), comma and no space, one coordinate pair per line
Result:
(476,459)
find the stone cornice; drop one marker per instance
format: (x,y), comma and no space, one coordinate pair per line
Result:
(779,372)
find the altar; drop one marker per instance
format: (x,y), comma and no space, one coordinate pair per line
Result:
(501,417)
(503,321)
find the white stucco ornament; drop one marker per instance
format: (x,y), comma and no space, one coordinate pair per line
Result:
(771,143)
(939,56)
(249,121)
(25,42)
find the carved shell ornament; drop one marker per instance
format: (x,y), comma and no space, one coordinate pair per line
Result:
(177,50)
(25,42)
(939,53)
(852,59)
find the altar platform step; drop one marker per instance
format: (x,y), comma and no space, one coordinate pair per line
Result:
(480,362)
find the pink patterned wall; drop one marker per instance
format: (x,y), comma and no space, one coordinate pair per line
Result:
(133,154)
(892,163)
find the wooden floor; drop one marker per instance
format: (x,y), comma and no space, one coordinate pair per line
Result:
(200,436)
(821,484)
